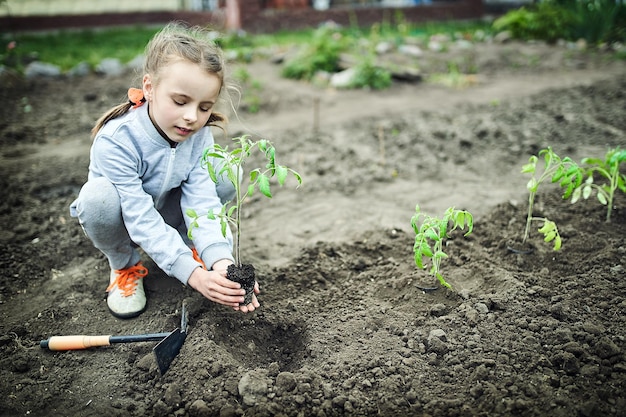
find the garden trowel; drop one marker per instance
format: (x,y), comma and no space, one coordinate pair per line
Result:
(165,351)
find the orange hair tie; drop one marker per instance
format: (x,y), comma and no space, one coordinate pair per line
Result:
(135,96)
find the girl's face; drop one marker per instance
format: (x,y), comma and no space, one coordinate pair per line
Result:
(182,101)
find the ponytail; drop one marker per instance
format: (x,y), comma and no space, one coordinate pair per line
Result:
(113,113)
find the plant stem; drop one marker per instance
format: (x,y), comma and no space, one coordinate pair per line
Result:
(529,217)
(613,187)
(238,213)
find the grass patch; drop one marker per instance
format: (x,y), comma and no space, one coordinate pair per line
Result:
(68,48)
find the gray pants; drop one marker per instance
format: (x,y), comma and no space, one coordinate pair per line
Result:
(99,213)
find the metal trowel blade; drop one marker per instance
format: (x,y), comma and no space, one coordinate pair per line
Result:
(167,349)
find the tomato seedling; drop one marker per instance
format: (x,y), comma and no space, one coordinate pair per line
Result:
(608,169)
(430,236)
(233,168)
(564,171)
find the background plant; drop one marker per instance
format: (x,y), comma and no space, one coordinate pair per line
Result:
(321,54)
(230,164)
(431,234)
(593,20)
(607,169)
(564,171)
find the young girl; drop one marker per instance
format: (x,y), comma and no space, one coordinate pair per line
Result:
(145,172)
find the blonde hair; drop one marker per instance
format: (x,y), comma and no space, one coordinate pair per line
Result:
(174,42)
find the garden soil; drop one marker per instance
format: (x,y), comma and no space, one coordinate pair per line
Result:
(348,324)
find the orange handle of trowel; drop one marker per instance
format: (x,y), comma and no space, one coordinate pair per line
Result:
(75,342)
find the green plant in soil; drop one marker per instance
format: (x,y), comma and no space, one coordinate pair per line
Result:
(230,164)
(431,233)
(607,169)
(564,171)
(322,53)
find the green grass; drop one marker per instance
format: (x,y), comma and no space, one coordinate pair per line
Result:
(68,48)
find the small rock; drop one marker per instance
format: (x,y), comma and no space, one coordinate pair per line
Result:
(411,50)
(437,333)
(146,362)
(199,408)
(503,37)
(438,310)
(110,67)
(80,70)
(172,395)
(605,348)
(343,79)
(481,308)
(42,69)
(286,382)
(252,386)
(384,47)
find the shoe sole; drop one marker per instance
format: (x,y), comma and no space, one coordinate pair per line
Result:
(127,315)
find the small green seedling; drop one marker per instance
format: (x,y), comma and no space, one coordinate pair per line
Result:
(232,167)
(430,236)
(564,171)
(609,169)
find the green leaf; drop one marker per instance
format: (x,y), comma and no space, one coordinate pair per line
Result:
(549,236)
(191,213)
(439,255)
(212,174)
(214,155)
(281,174)
(264,185)
(459,220)
(426,250)
(592,161)
(432,235)
(602,198)
(442,281)
(586,191)
(298,177)
(418,260)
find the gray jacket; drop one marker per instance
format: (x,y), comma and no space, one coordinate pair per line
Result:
(147,173)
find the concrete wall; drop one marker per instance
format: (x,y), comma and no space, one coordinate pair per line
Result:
(74,7)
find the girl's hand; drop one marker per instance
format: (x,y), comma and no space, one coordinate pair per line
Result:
(254,304)
(216,287)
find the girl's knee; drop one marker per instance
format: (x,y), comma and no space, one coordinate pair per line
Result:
(98,201)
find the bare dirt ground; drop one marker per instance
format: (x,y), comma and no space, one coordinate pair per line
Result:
(344,327)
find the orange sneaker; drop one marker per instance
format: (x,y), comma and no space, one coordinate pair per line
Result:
(127,297)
